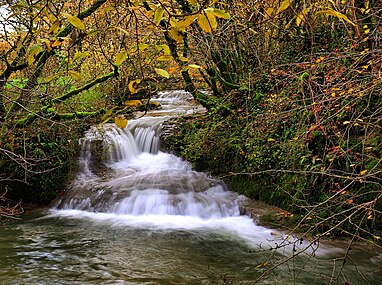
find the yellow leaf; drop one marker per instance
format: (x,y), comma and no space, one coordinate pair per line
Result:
(132,85)
(346,122)
(164,58)
(284,5)
(132,103)
(162,72)
(219,13)
(158,15)
(120,121)
(33,51)
(108,114)
(56,43)
(363,172)
(80,55)
(54,28)
(269,12)
(50,78)
(188,20)
(271,140)
(175,34)
(165,48)
(331,12)
(207,22)
(77,23)
(194,66)
(301,17)
(121,57)
(182,58)
(262,264)
(75,75)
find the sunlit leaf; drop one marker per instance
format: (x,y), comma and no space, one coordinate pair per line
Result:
(77,23)
(162,72)
(165,48)
(363,172)
(92,32)
(120,121)
(271,140)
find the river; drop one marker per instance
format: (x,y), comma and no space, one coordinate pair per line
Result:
(136,214)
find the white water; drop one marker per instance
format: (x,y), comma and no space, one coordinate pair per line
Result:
(143,187)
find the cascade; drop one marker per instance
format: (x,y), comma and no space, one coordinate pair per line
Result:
(139,179)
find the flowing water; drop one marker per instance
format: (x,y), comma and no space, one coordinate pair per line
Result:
(136,214)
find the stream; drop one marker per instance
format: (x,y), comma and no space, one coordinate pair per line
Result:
(136,214)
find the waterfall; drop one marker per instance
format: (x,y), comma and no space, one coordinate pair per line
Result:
(136,178)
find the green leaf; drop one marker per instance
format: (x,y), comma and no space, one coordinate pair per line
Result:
(162,72)
(77,23)
(158,15)
(121,57)
(120,121)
